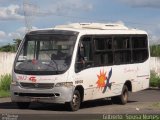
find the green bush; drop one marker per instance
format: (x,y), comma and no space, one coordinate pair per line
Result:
(155,50)
(154,80)
(5,81)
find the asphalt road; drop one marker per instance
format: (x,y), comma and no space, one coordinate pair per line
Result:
(143,102)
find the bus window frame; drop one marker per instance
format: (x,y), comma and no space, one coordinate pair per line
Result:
(113,50)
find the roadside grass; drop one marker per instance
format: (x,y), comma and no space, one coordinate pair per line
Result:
(4,93)
(154,80)
(5,81)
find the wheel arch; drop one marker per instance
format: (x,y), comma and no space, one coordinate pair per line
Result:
(129,85)
(81,91)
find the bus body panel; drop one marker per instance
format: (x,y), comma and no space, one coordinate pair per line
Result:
(143,75)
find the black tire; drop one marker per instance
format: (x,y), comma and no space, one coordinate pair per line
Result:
(23,105)
(74,105)
(123,98)
(124,95)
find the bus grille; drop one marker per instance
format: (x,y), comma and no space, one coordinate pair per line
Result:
(36,94)
(37,85)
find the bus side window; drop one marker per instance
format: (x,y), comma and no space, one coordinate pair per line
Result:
(122,50)
(139,49)
(103,51)
(84,55)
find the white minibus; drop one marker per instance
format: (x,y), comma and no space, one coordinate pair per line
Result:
(79,62)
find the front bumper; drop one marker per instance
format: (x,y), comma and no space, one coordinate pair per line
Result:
(54,95)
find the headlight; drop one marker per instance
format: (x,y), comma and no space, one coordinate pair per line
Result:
(64,84)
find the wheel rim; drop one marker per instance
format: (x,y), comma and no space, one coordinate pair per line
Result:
(75,100)
(125,96)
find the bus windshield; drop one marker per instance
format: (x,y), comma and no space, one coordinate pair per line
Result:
(45,54)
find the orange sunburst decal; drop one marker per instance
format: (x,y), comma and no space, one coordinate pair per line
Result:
(101,79)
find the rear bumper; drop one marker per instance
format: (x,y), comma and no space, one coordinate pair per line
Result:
(55,95)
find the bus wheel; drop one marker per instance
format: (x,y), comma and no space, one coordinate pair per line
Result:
(74,105)
(124,95)
(123,98)
(23,105)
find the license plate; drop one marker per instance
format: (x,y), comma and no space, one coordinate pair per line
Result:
(34,99)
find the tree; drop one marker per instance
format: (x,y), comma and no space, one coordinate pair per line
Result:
(17,43)
(11,47)
(155,50)
(7,48)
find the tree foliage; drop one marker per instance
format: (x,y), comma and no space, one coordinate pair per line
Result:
(11,47)
(155,50)
(17,43)
(7,48)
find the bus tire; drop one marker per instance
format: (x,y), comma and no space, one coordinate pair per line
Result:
(124,95)
(75,103)
(123,98)
(23,105)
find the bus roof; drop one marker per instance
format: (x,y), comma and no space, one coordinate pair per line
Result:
(99,28)
(91,28)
